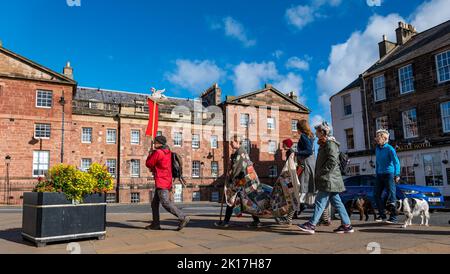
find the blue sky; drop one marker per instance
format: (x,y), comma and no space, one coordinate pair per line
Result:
(314,47)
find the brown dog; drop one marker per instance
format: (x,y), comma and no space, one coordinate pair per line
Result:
(361,204)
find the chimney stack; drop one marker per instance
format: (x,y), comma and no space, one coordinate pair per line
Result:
(385,46)
(293,96)
(404,33)
(68,71)
(267,86)
(212,96)
(1,43)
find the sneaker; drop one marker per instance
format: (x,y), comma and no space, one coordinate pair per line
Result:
(344,229)
(153,227)
(255,224)
(308,227)
(392,221)
(379,219)
(222,224)
(183,223)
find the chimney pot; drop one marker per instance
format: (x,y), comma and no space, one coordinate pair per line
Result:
(68,70)
(404,33)
(267,86)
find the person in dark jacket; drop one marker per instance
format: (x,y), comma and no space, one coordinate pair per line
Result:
(160,164)
(388,174)
(329,182)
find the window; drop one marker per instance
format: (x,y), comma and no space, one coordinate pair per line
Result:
(135,168)
(215,196)
(407,170)
(406,77)
(41,161)
(294,124)
(443,66)
(271,123)
(195,141)
(245,119)
(214,141)
(379,88)
(433,169)
(350,139)
(110,136)
(273,171)
(445,114)
(196,196)
(86,135)
(410,124)
(247,144)
(382,123)
(135,137)
(42,131)
(353,170)
(178,139)
(135,197)
(44,99)
(85,164)
(196,169)
(272,147)
(347,101)
(111,198)
(111,165)
(214,169)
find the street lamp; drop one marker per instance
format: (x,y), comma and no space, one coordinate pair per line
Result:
(7,190)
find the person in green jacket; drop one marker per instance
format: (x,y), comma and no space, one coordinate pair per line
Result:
(328,180)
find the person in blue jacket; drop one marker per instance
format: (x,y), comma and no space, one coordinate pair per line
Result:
(388,174)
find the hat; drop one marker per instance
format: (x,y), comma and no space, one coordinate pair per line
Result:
(161,140)
(288,143)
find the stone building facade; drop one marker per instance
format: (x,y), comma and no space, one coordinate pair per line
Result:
(108,127)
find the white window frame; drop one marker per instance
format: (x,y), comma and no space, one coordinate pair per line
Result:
(347,139)
(83,161)
(133,173)
(247,144)
(112,164)
(39,164)
(375,88)
(214,141)
(400,74)
(37,98)
(244,120)
(273,171)
(344,105)
(404,124)
(177,136)
(49,130)
(378,122)
(214,164)
(437,66)
(195,168)
(271,123)
(133,137)
(195,141)
(274,146)
(83,135)
(109,132)
(294,127)
(444,129)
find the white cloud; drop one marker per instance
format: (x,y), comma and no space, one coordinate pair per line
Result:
(430,14)
(195,75)
(297,63)
(234,29)
(302,15)
(250,77)
(316,120)
(277,54)
(374,3)
(351,58)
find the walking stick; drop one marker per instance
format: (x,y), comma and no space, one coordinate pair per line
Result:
(223,197)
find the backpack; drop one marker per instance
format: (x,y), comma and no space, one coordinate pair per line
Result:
(177,167)
(343,162)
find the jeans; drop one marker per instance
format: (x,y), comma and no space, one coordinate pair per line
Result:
(229,212)
(322,200)
(162,196)
(385,181)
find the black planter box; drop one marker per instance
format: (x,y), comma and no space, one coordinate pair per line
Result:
(51,217)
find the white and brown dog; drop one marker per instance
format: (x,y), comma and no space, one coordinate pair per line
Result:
(412,208)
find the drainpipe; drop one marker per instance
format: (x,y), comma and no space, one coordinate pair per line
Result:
(62,101)
(367,113)
(118,171)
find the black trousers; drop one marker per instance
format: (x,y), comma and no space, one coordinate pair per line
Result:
(229,212)
(162,197)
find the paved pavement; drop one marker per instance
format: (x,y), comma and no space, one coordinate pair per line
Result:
(126,234)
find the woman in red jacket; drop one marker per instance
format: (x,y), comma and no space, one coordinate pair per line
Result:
(160,164)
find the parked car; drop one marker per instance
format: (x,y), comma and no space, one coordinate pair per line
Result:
(364,185)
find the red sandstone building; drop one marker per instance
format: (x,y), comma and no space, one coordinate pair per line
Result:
(46,119)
